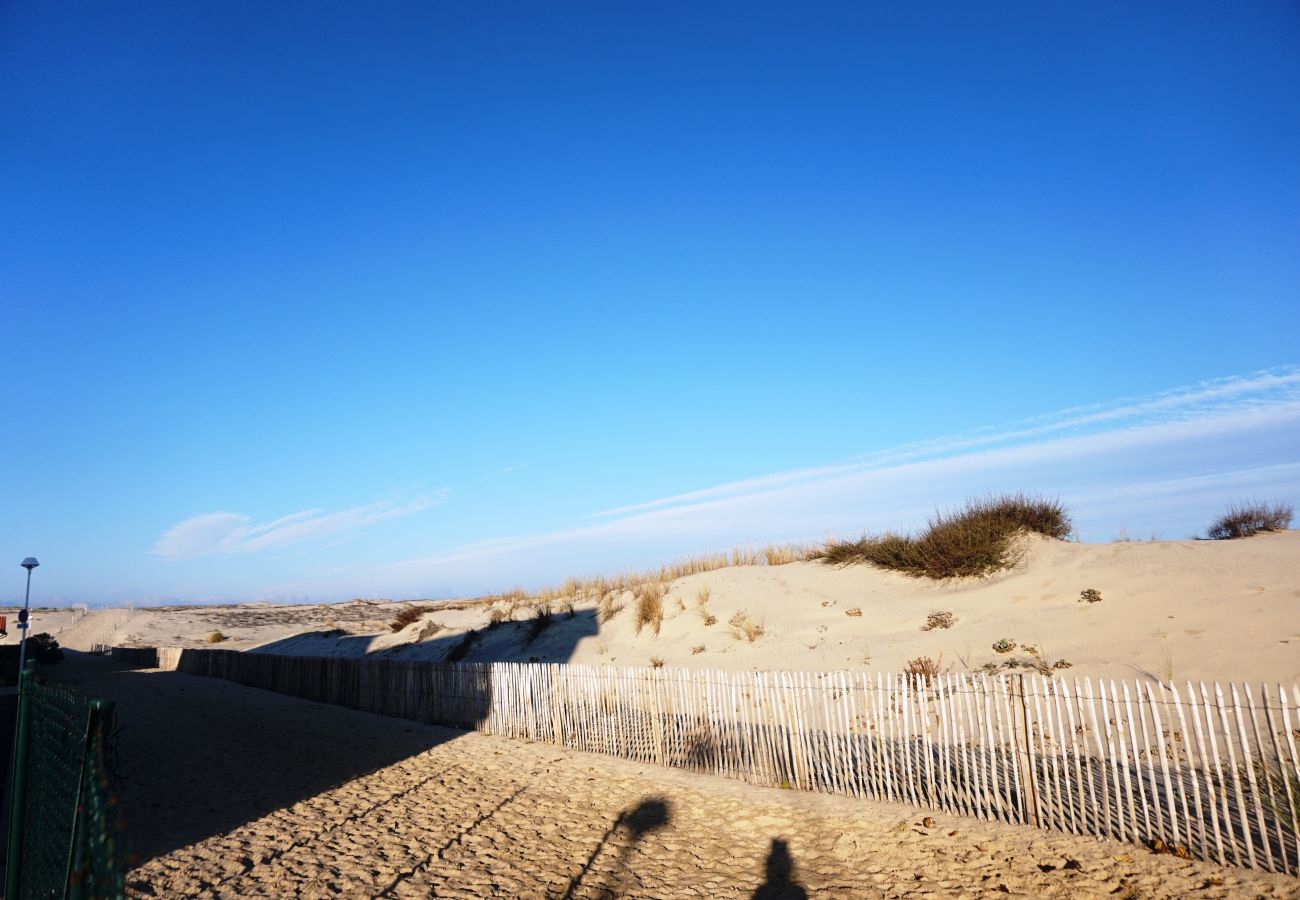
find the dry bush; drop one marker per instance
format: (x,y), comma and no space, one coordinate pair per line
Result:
(974,540)
(938,620)
(1247,519)
(697,649)
(496,616)
(743,627)
(650,606)
(853,612)
(407,616)
(216,637)
(656,662)
(926,667)
(1091,595)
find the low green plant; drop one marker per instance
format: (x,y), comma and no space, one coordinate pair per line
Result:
(1004,645)
(974,540)
(1247,519)
(938,620)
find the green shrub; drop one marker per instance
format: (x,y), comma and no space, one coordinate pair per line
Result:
(975,540)
(1247,519)
(44,648)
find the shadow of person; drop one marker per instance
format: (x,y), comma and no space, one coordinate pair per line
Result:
(650,815)
(779,883)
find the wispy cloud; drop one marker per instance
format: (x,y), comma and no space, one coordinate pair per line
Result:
(1267,390)
(1161,461)
(227,533)
(506,470)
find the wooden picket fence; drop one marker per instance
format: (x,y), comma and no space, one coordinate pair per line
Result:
(1210,772)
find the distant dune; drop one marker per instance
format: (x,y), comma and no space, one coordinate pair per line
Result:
(1211,610)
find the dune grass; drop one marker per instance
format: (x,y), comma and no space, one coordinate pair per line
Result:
(1247,519)
(976,539)
(650,606)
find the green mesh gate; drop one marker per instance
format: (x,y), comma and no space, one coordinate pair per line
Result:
(64,831)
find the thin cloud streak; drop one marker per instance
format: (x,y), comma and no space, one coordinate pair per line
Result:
(225,533)
(1246,445)
(1265,389)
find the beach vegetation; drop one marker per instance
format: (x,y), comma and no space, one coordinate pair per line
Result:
(926,667)
(1247,519)
(408,615)
(976,539)
(745,628)
(941,619)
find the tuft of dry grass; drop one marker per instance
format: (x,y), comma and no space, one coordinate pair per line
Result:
(216,637)
(540,621)
(935,620)
(782,554)
(609,606)
(697,649)
(702,607)
(1251,518)
(1089,595)
(497,615)
(745,628)
(974,540)
(650,606)
(853,612)
(656,662)
(465,646)
(407,616)
(924,666)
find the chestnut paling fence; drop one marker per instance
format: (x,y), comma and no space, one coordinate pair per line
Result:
(1207,771)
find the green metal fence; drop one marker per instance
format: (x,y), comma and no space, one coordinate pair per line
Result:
(64,838)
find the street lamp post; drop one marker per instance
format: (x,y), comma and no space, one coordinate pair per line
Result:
(29,563)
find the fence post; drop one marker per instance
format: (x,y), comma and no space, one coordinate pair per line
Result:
(1020,734)
(18,795)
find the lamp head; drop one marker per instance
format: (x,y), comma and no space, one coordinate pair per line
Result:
(29,563)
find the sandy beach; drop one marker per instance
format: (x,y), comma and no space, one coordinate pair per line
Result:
(235,792)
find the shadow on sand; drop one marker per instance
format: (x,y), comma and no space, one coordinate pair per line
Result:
(197,757)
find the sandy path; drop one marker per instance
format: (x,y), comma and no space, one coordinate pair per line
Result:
(235,792)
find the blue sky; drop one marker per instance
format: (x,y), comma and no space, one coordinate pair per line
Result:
(312,301)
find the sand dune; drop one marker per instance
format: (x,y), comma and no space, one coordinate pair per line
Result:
(1212,610)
